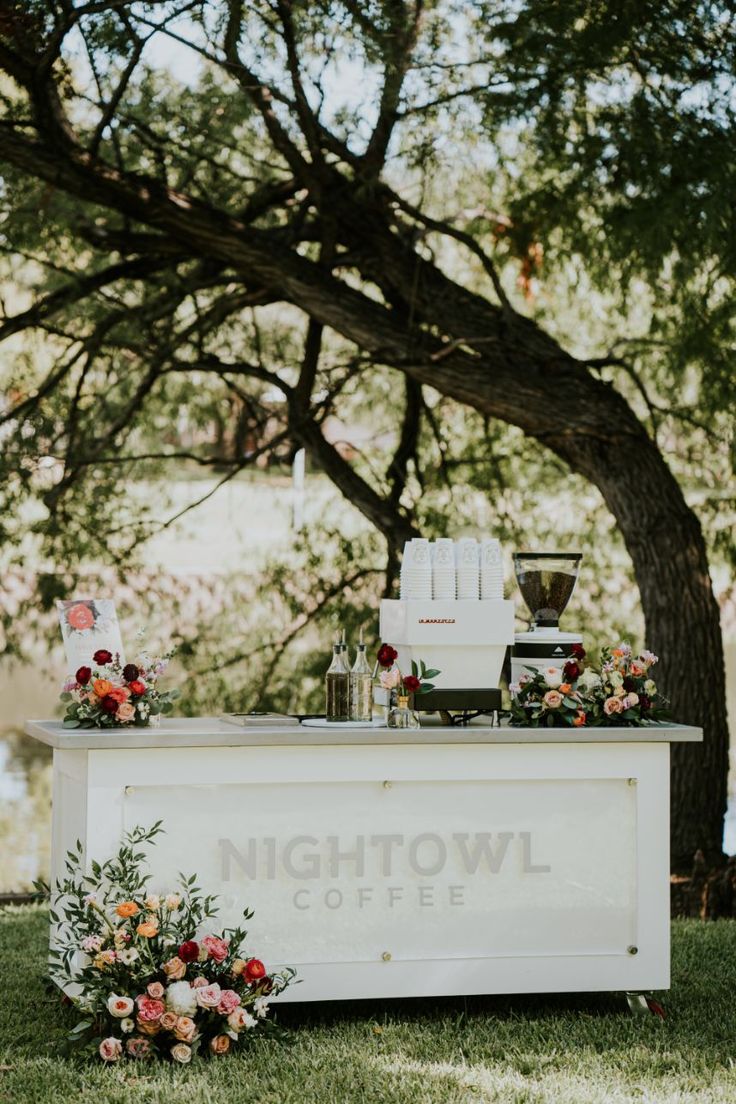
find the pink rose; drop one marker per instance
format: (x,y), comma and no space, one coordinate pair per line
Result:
(175,969)
(217,949)
(92,943)
(612,705)
(138,1047)
(390,679)
(150,1010)
(552,699)
(125,712)
(185,1029)
(155,990)
(209,996)
(111,1049)
(199,982)
(229,1001)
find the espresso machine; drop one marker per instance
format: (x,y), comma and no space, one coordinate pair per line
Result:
(546,581)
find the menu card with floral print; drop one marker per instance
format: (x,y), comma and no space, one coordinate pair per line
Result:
(88,625)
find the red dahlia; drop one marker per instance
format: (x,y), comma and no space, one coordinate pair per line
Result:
(109,704)
(83,675)
(102,656)
(189,951)
(130,672)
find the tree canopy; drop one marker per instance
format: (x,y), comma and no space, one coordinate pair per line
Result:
(225,222)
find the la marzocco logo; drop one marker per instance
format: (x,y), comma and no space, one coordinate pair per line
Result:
(436,621)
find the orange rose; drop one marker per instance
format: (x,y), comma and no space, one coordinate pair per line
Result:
(101,687)
(174,969)
(185,1029)
(220,1044)
(118,693)
(80,617)
(148,1027)
(148,928)
(126,909)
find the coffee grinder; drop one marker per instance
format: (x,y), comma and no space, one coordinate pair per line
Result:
(546,581)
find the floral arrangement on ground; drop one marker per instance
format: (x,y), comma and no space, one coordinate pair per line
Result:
(620,691)
(154,980)
(110,694)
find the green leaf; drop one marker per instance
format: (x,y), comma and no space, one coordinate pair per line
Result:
(430,672)
(71,722)
(65,696)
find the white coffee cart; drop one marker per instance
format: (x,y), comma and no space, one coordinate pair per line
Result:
(392,864)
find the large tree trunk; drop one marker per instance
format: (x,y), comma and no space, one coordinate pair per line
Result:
(506,367)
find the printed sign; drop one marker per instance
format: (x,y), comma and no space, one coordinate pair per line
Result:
(88,624)
(428,869)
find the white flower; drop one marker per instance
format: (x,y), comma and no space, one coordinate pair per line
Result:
(649,658)
(553,677)
(127,1025)
(181,1053)
(173,900)
(90,900)
(92,943)
(616,678)
(128,956)
(260,1007)
(120,1007)
(650,687)
(181,998)
(239,1019)
(630,700)
(514,688)
(625,648)
(153,902)
(589,680)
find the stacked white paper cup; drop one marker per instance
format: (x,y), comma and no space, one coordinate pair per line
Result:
(443,568)
(467,567)
(416,570)
(491,568)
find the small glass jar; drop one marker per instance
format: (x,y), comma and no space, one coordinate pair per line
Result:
(401,716)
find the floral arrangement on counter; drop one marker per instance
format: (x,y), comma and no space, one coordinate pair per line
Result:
(391,677)
(109,694)
(620,692)
(151,985)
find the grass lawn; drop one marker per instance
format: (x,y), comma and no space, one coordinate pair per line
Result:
(571,1050)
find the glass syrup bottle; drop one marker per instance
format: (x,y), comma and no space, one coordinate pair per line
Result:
(337,686)
(361,686)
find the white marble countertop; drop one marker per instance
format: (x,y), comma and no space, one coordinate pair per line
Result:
(212,732)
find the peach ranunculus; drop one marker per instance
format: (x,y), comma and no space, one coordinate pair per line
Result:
(240,1018)
(149,928)
(553,677)
(118,694)
(185,1029)
(155,990)
(612,705)
(638,670)
(125,712)
(102,687)
(175,969)
(168,1021)
(238,966)
(220,1044)
(552,699)
(565,688)
(580,719)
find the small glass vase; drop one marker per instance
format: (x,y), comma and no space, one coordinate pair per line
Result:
(401,716)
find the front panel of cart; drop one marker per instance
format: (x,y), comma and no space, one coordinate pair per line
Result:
(404,871)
